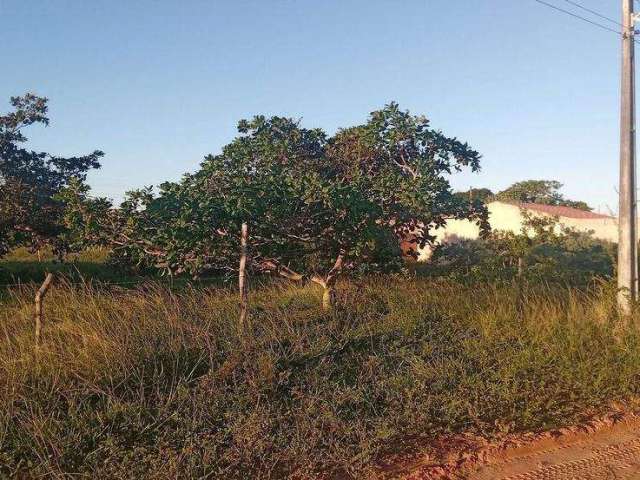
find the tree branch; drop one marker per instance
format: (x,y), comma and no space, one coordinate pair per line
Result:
(335,270)
(286,272)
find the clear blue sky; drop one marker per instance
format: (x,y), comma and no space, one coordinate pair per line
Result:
(159,84)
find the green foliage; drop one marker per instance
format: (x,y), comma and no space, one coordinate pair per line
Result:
(21,267)
(544,251)
(545,192)
(83,216)
(483,195)
(314,204)
(153,384)
(31,211)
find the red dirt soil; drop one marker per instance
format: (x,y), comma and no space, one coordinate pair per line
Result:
(606,447)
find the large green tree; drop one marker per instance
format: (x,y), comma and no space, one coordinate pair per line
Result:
(31,212)
(316,206)
(546,192)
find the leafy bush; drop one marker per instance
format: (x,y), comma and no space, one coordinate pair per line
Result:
(543,251)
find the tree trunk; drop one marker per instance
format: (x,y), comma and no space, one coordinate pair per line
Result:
(328,298)
(520,266)
(329,284)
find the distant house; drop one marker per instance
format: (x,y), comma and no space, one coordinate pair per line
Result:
(509,217)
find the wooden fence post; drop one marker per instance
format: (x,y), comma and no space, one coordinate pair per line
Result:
(520,266)
(39,300)
(242,276)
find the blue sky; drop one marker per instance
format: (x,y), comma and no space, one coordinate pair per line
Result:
(159,84)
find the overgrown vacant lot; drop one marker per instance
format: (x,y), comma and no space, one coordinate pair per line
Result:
(147,383)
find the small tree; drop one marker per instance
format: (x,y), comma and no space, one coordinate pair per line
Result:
(31,211)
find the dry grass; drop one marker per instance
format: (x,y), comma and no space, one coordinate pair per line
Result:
(23,267)
(147,383)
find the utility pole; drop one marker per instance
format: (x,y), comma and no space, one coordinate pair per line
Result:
(627,230)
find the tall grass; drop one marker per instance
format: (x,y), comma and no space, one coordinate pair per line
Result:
(21,266)
(147,383)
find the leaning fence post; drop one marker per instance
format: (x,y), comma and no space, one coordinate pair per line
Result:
(520,266)
(242,275)
(39,300)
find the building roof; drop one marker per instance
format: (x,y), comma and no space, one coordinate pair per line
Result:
(562,211)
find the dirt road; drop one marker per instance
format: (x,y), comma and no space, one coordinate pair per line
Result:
(611,453)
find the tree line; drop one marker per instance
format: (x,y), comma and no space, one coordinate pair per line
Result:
(316,205)
(545,192)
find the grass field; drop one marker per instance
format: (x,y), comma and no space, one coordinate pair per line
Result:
(21,266)
(149,383)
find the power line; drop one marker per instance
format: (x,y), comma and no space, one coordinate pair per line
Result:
(593,12)
(586,19)
(567,12)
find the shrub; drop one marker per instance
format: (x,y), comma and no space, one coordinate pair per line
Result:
(543,252)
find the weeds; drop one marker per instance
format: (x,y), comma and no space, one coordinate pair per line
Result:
(147,383)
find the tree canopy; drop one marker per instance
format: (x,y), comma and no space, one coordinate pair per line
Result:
(546,192)
(316,206)
(484,195)
(31,211)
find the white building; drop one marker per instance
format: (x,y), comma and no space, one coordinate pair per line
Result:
(509,217)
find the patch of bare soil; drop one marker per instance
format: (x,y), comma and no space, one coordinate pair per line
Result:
(611,452)
(603,448)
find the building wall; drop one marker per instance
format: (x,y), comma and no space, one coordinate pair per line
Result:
(603,228)
(508,217)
